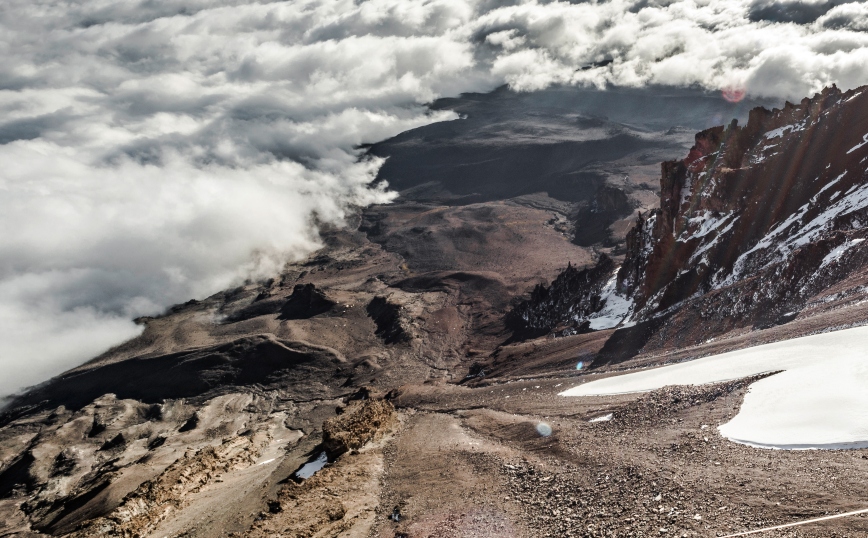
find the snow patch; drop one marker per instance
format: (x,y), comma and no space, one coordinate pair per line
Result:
(781,131)
(838,251)
(686,188)
(857,146)
(616,309)
(826,186)
(760,158)
(604,418)
(855,198)
(707,223)
(699,253)
(818,401)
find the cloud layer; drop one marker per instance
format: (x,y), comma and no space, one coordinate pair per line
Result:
(160,150)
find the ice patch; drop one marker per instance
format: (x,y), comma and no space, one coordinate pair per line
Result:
(818,401)
(311,467)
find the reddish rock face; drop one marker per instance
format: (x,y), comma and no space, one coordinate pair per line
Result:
(752,223)
(756,219)
(755,177)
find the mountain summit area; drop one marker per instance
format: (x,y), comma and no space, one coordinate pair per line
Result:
(469,359)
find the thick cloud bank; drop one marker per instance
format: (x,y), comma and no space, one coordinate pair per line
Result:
(159,150)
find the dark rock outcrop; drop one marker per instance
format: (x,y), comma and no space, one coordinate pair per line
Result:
(259,307)
(564,305)
(246,361)
(305,302)
(387,317)
(17,475)
(592,221)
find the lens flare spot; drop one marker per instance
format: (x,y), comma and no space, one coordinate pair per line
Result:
(734,94)
(543,429)
(580,365)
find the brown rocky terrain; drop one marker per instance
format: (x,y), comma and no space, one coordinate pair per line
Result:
(389,358)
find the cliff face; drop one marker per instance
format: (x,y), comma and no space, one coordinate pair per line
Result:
(752,225)
(747,198)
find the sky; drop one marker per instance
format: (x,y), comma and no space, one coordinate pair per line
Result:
(156,151)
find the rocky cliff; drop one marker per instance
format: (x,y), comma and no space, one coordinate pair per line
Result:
(753,225)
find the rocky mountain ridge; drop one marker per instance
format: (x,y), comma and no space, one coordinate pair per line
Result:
(753,223)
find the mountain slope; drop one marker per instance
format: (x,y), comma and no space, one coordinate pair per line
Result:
(394,357)
(588,154)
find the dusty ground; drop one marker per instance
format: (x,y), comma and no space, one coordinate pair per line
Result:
(471,462)
(649,471)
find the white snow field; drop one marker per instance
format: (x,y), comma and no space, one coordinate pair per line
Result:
(820,400)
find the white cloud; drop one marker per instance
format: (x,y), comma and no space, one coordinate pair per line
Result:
(159,150)
(852,16)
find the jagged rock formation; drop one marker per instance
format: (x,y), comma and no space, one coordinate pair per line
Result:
(752,224)
(565,305)
(762,217)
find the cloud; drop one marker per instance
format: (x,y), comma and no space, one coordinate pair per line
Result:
(159,150)
(852,16)
(798,11)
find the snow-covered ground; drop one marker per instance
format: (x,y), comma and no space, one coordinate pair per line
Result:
(820,400)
